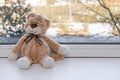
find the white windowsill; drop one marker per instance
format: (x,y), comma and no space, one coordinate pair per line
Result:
(68,69)
(79,50)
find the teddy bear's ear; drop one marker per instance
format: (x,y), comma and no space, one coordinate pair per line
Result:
(47,23)
(30,15)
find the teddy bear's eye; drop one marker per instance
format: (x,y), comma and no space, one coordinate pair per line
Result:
(32,16)
(33,25)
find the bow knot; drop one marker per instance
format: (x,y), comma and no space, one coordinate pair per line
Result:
(31,36)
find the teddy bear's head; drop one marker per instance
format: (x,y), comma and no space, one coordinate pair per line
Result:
(36,24)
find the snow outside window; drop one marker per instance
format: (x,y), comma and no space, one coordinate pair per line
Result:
(72,21)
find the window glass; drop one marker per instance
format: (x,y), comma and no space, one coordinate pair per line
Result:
(72,21)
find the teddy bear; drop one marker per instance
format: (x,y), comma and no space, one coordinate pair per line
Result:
(35,46)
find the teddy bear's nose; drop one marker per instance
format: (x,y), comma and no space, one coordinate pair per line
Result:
(33,25)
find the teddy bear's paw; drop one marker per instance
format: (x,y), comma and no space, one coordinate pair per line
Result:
(23,63)
(63,50)
(47,62)
(12,56)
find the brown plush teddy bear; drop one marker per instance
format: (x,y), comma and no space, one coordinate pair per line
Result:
(35,46)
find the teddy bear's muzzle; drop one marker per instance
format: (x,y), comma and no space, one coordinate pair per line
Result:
(33,25)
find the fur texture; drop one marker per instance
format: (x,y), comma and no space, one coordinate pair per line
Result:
(35,47)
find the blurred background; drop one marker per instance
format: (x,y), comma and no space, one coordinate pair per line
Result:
(72,21)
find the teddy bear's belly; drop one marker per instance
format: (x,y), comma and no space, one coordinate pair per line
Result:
(35,51)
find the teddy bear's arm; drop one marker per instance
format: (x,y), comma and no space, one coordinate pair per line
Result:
(52,44)
(16,50)
(60,49)
(19,44)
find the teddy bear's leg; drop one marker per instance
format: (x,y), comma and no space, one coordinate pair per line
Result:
(60,49)
(15,53)
(24,62)
(47,62)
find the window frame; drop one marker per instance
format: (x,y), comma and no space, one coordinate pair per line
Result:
(78,50)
